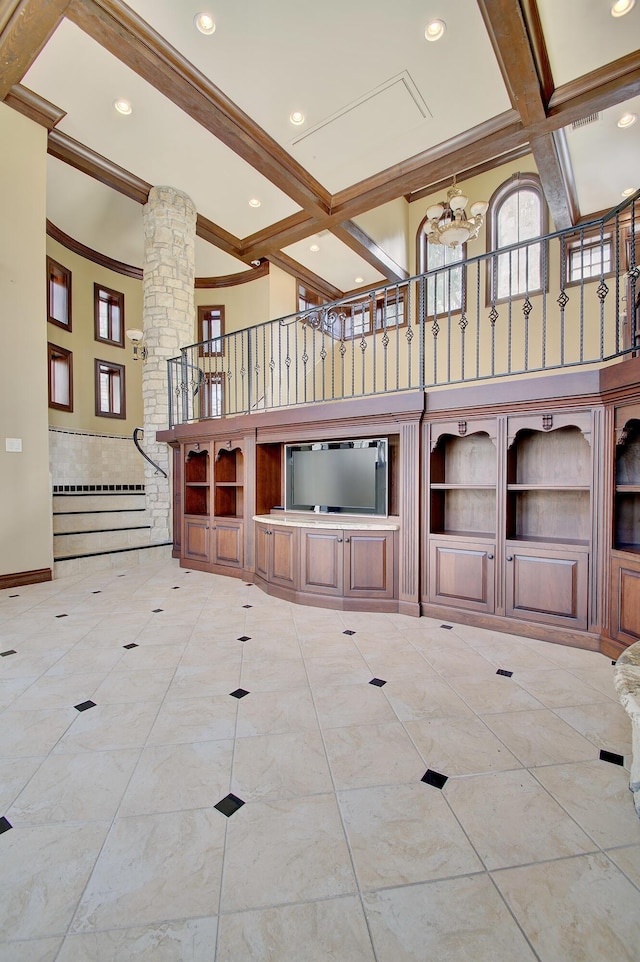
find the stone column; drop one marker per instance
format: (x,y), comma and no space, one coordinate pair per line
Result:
(168,321)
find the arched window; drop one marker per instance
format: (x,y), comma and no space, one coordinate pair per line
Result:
(445,289)
(517,212)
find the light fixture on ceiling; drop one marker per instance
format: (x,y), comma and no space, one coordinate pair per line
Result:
(359,280)
(448,223)
(254,202)
(627,120)
(314,247)
(628,191)
(434,30)
(621,7)
(123,107)
(296,118)
(205,23)
(139,351)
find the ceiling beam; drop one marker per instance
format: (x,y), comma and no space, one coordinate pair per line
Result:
(31,105)
(75,154)
(301,273)
(360,243)
(126,36)
(468,172)
(508,34)
(26,27)
(605,87)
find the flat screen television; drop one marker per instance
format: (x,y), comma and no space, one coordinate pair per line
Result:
(337,476)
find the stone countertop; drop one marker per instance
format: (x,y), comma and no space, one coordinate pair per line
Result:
(331,522)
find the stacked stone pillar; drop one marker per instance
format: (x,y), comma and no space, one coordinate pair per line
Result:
(168,321)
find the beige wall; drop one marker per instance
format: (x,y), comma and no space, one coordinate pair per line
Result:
(25,505)
(81,341)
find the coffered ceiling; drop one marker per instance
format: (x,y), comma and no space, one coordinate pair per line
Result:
(388,117)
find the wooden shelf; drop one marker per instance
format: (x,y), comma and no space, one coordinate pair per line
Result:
(548,487)
(466,535)
(229,484)
(463,487)
(627,488)
(538,539)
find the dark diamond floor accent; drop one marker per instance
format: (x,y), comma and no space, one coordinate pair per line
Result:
(98,592)
(175,587)
(507,674)
(247,606)
(131,644)
(244,638)
(229,805)
(14,596)
(448,627)
(157,611)
(11,651)
(378,682)
(348,632)
(84,705)
(434,778)
(612,757)
(239,693)
(5,825)
(62,616)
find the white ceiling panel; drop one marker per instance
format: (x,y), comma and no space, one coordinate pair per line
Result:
(335,261)
(157,142)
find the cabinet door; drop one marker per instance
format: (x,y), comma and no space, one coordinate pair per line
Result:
(462,575)
(321,561)
(283,554)
(547,586)
(368,564)
(228,543)
(196,540)
(262,550)
(625,600)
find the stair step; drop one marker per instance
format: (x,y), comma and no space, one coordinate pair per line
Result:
(98,501)
(66,522)
(75,543)
(87,562)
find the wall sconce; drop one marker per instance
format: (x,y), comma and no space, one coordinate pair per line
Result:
(135,337)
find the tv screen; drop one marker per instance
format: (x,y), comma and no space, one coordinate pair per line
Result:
(337,476)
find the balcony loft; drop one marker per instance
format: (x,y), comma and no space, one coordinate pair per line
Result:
(564,301)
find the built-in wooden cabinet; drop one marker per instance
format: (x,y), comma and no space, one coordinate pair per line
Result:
(462,573)
(625,556)
(277,554)
(347,563)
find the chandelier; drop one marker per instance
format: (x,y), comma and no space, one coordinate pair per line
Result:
(448,223)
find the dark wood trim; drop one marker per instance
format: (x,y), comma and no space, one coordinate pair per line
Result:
(266,241)
(360,243)
(533,24)
(18,578)
(233,280)
(604,87)
(122,371)
(470,172)
(55,351)
(118,298)
(125,35)
(75,154)
(77,248)
(319,284)
(54,268)
(555,175)
(27,26)
(34,107)
(220,238)
(510,41)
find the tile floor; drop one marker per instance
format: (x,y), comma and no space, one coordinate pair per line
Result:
(192,771)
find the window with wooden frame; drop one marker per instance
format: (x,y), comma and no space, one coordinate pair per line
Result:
(58,294)
(60,378)
(211,395)
(108,315)
(445,288)
(372,315)
(517,212)
(110,389)
(588,254)
(210,331)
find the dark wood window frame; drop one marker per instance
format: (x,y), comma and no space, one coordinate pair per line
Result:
(59,354)
(368,307)
(102,294)
(116,374)
(590,239)
(205,335)
(515,183)
(422,242)
(205,386)
(58,273)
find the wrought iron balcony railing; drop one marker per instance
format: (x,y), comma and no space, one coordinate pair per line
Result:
(563,300)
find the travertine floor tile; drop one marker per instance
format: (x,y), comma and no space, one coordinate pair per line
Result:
(190,941)
(539,737)
(280,766)
(366,755)
(460,745)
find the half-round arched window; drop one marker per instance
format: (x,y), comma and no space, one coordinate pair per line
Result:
(517,213)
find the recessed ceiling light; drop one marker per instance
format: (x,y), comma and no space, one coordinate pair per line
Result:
(359,280)
(314,247)
(122,106)
(435,29)
(205,23)
(621,7)
(627,120)
(628,192)
(254,202)
(297,118)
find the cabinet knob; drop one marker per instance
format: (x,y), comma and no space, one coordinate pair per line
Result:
(509,557)
(339,540)
(347,540)
(490,557)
